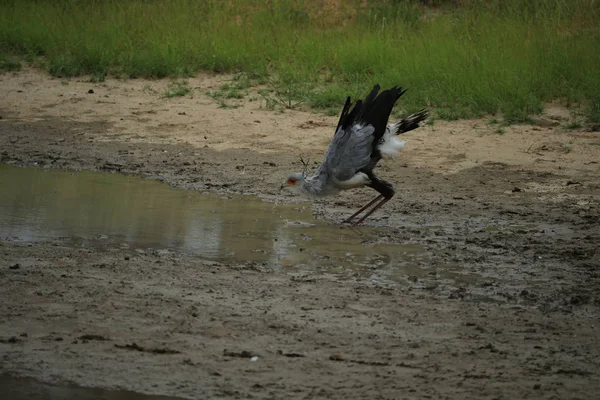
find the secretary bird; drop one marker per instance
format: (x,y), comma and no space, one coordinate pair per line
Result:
(362,137)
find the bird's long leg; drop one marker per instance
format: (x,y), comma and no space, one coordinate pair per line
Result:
(382,202)
(369,204)
(386,192)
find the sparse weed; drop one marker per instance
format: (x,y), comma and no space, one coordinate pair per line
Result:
(235,94)
(574,125)
(288,91)
(282,95)
(227,92)
(224,104)
(241,82)
(331,112)
(594,109)
(9,65)
(149,89)
(98,77)
(266,96)
(500,131)
(177,89)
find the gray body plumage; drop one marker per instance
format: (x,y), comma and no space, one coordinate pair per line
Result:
(348,152)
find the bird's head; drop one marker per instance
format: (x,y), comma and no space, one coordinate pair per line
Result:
(293,181)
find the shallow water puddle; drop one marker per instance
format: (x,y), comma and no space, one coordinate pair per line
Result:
(96,209)
(17,388)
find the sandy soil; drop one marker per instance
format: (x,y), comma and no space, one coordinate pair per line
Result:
(522,206)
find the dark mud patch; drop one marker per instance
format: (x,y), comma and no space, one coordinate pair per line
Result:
(152,350)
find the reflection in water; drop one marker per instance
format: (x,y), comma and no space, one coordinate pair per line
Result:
(112,210)
(16,388)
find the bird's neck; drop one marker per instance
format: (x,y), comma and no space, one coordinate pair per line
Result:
(314,185)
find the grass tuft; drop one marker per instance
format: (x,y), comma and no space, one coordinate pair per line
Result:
(9,64)
(177,89)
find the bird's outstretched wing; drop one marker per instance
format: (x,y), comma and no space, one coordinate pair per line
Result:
(351,147)
(348,152)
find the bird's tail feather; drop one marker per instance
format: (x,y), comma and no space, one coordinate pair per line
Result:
(409,123)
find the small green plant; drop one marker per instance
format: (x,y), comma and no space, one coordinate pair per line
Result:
(266,96)
(227,92)
(430,121)
(177,89)
(215,95)
(331,112)
(500,131)
(574,125)
(287,95)
(98,77)
(567,148)
(241,82)
(149,89)
(235,94)
(228,106)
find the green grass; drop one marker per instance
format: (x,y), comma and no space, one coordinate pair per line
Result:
(484,57)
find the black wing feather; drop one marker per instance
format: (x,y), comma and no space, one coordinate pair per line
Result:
(411,122)
(374,110)
(344,113)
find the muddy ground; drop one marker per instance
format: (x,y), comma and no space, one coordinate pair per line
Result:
(515,209)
